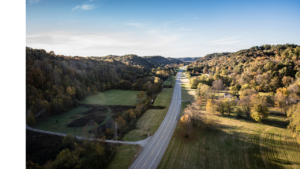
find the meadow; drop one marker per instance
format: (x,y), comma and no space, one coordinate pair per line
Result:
(113,97)
(59,122)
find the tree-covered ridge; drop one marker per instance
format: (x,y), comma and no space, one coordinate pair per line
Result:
(146,62)
(54,83)
(265,68)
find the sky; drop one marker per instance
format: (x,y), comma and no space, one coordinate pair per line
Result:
(176,28)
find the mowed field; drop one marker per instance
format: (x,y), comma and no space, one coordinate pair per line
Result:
(113,97)
(238,143)
(59,122)
(151,119)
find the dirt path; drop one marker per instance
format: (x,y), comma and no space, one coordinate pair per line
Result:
(142,143)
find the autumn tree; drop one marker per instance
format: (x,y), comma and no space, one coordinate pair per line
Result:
(210,107)
(68,141)
(30,120)
(121,123)
(184,124)
(294,118)
(281,99)
(192,110)
(245,105)
(259,109)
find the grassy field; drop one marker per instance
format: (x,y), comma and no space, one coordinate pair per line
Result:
(124,156)
(64,119)
(238,143)
(112,97)
(151,119)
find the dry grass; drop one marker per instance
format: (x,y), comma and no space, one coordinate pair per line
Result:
(239,143)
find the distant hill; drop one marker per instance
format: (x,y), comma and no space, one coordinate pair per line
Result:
(188,59)
(146,62)
(159,60)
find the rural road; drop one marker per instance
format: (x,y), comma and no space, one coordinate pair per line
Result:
(142,143)
(155,149)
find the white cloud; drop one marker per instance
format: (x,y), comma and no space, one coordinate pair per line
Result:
(152,42)
(83,7)
(32,2)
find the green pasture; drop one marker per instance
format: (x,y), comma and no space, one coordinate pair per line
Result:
(59,122)
(113,97)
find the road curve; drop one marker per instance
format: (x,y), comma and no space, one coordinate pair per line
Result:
(155,149)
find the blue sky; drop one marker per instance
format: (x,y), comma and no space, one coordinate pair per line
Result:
(174,28)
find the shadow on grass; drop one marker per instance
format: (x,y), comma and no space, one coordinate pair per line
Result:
(233,145)
(267,121)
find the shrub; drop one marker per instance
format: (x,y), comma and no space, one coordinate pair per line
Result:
(30,120)
(68,141)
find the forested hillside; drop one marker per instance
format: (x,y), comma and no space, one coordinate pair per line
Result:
(265,68)
(55,83)
(147,62)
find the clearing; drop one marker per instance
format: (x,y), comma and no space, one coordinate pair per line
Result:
(75,120)
(113,97)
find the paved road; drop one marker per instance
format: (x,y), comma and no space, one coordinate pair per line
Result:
(142,143)
(155,149)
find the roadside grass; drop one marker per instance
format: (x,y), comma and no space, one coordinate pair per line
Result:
(124,156)
(186,92)
(237,143)
(113,97)
(151,119)
(183,106)
(170,81)
(63,120)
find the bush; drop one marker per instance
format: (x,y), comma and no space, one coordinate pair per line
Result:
(30,120)
(68,141)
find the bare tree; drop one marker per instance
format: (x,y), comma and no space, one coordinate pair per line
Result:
(218,85)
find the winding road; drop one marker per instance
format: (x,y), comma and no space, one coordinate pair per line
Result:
(155,149)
